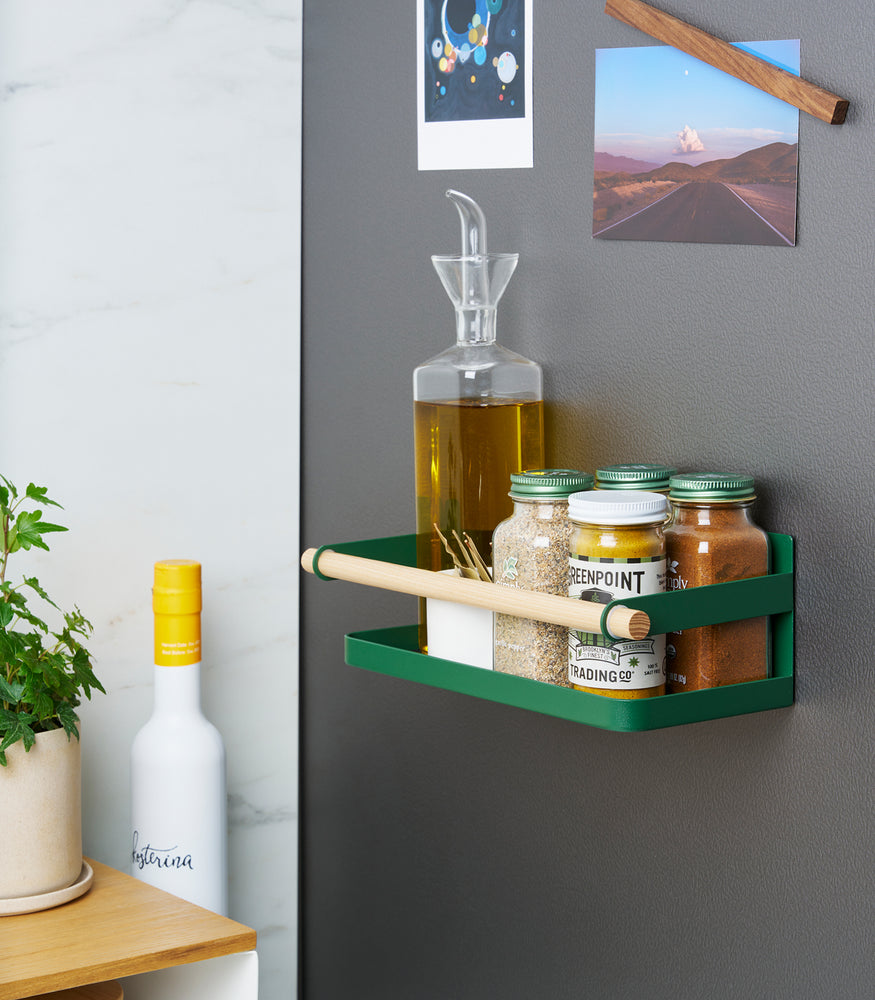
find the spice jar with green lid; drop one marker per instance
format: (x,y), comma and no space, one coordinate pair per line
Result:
(634,476)
(617,551)
(711,538)
(530,551)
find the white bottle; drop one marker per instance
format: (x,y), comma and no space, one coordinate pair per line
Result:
(179,824)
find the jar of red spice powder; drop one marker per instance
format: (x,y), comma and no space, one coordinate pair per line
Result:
(711,538)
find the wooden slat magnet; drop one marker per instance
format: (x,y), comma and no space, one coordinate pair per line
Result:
(775,81)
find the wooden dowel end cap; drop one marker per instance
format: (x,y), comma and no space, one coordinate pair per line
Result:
(628,621)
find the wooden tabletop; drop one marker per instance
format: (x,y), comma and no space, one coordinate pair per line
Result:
(120,927)
(99,991)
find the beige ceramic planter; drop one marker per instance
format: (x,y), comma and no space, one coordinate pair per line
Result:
(40,817)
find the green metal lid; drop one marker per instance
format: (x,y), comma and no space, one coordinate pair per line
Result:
(634,476)
(546,483)
(717,486)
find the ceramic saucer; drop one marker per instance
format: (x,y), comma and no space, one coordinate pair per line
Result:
(46,900)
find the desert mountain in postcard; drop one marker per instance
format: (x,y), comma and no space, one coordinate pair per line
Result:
(775,162)
(610,164)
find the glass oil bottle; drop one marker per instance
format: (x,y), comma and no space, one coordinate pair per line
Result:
(478,407)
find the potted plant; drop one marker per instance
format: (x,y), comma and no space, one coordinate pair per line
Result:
(43,676)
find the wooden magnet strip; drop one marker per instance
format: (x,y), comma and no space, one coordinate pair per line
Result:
(775,81)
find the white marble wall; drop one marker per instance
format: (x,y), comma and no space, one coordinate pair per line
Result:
(149,376)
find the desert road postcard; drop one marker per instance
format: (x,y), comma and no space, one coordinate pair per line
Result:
(685,153)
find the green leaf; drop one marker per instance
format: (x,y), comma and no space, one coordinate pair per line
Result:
(7,613)
(84,673)
(8,646)
(12,645)
(34,584)
(76,624)
(10,487)
(38,494)
(69,720)
(10,691)
(28,531)
(12,596)
(43,706)
(52,666)
(16,726)
(26,615)
(29,647)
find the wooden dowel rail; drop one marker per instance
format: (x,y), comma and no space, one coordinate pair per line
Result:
(772,79)
(623,623)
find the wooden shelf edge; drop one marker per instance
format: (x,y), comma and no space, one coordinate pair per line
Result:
(120,927)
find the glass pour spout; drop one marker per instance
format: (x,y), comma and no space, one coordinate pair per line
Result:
(474,279)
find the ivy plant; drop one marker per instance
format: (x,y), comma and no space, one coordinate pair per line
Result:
(43,673)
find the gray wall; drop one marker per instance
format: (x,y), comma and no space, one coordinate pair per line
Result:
(454,848)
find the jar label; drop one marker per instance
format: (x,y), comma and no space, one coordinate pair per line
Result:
(597,661)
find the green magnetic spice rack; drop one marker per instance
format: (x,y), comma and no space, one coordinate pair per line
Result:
(395,651)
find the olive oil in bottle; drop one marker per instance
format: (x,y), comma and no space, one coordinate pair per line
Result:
(463,447)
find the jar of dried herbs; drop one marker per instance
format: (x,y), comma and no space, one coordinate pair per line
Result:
(617,551)
(645,476)
(530,551)
(711,538)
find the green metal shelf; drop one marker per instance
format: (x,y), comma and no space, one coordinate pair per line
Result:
(394,651)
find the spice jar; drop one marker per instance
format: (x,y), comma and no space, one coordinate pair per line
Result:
(530,551)
(617,551)
(711,538)
(634,476)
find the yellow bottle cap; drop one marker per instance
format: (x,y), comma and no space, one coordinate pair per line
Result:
(177,589)
(176,601)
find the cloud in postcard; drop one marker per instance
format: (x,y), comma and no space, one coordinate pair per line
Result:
(688,142)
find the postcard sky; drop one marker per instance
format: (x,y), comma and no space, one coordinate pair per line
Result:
(646,97)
